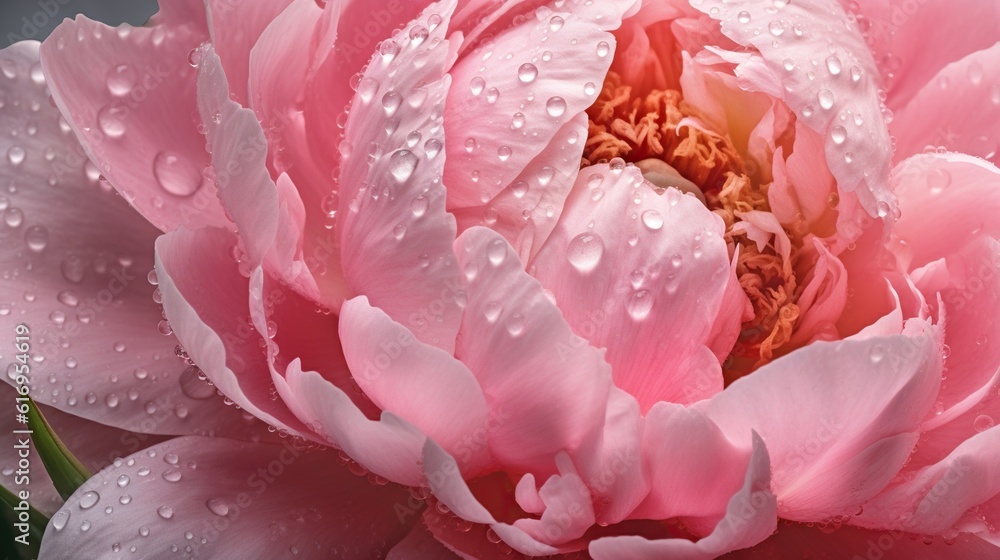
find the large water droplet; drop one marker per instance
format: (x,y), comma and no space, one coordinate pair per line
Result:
(36,238)
(652,219)
(60,519)
(176,175)
(172,475)
(217,506)
(166,512)
(585,251)
(555,106)
(121,79)
(838,134)
(983,422)
(743,17)
(89,499)
(16,155)
(527,73)
(639,304)
(833,65)
(497,252)
(111,119)
(402,163)
(603,48)
(826,99)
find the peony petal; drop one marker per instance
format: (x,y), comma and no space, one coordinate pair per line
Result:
(751,516)
(962,117)
(210,314)
(510,332)
(660,345)
(130,96)
(239,154)
(76,257)
(417,382)
(420,544)
(389,447)
(528,209)
(215,497)
(693,469)
(958,192)
(795,540)
(839,419)
(936,497)
(235,29)
(568,509)
(839,100)
(514,94)
(395,234)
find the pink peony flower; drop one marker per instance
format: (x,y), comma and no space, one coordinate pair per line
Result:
(582,279)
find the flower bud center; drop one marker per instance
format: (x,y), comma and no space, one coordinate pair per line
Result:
(669,141)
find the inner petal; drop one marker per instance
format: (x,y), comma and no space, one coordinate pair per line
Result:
(670,142)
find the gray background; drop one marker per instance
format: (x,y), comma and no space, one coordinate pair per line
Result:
(35,19)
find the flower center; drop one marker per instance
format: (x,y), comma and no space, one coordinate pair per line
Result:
(667,139)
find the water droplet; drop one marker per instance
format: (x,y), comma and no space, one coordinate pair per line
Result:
(111,120)
(16,155)
(585,251)
(975,73)
(477,85)
(776,28)
(172,475)
(555,106)
(60,519)
(419,206)
(388,49)
(652,219)
(121,79)
(556,23)
(402,163)
(492,311)
(517,121)
(432,147)
(125,499)
(603,48)
(826,99)
(13,217)
(983,422)
(639,304)
(418,34)
(789,64)
(193,386)
(166,512)
(833,65)
(111,400)
(838,134)
(391,102)
(176,175)
(497,252)
(217,506)
(743,17)
(123,481)
(877,353)
(515,324)
(36,238)
(89,499)
(504,153)
(143,531)
(527,73)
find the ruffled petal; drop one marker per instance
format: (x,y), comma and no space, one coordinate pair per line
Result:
(839,99)
(623,282)
(959,109)
(77,257)
(395,235)
(417,382)
(510,333)
(129,95)
(210,314)
(750,517)
(214,497)
(839,419)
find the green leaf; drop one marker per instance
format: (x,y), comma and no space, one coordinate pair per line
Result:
(66,471)
(11,508)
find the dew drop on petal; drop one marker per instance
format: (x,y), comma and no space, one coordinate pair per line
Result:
(585,251)
(176,175)
(652,219)
(217,506)
(983,422)
(555,106)
(402,164)
(639,304)
(527,73)
(89,499)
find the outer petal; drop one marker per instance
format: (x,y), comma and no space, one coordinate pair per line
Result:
(75,258)
(751,516)
(839,419)
(417,382)
(130,95)
(511,333)
(957,192)
(396,236)
(935,498)
(959,109)
(235,29)
(795,540)
(420,544)
(233,499)
(210,314)
(839,99)
(652,256)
